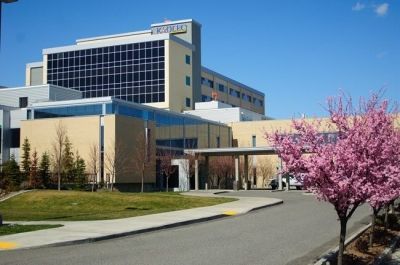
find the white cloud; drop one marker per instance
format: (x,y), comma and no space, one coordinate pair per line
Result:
(358,7)
(382,9)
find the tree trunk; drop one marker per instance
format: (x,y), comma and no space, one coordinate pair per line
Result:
(59,180)
(142,188)
(386,216)
(342,238)
(373,222)
(112,182)
(166,189)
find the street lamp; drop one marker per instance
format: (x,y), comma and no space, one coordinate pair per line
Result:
(1,3)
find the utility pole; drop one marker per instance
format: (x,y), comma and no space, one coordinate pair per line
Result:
(1,4)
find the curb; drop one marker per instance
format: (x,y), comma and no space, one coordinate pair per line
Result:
(265,206)
(146,230)
(325,259)
(129,233)
(387,252)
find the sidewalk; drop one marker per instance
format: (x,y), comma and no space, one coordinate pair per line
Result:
(90,231)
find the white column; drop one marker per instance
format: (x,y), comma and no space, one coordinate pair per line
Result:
(196,174)
(246,171)
(236,185)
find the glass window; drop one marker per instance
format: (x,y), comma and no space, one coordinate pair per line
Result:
(23,102)
(15,135)
(188,102)
(253,141)
(221,87)
(187,59)
(187,80)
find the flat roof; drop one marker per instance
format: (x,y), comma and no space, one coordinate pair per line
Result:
(100,100)
(232,151)
(175,22)
(112,42)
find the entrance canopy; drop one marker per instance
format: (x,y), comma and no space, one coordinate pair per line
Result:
(229,151)
(232,151)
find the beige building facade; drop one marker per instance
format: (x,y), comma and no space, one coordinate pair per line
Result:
(159,67)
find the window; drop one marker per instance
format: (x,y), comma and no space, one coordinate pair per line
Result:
(207,82)
(23,102)
(221,87)
(218,142)
(237,94)
(187,59)
(187,80)
(188,102)
(253,141)
(15,134)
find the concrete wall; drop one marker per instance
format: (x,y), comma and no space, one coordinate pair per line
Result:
(231,99)
(10,96)
(84,132)
(176,71)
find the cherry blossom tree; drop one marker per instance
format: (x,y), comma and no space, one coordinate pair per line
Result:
(344,172)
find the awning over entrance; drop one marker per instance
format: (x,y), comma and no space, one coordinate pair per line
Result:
(232,151)
(229,151)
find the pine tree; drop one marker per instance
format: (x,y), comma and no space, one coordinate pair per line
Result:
(34,178)
(68,161)
(26,159)
(12,173)
(79,168)
(44,169)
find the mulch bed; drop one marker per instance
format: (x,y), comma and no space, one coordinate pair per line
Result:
(359,253)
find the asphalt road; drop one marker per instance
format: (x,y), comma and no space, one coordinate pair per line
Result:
(295,232)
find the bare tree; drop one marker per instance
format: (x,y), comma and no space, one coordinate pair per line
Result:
(220,171)
(93,163)
(265,169)
(166,156)
(116,160)
(58,150)
(144,155)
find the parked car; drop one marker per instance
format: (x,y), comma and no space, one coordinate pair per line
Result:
(274,184)
(294,182)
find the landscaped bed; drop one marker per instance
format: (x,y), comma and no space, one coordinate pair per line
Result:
(77,205)
(358,252)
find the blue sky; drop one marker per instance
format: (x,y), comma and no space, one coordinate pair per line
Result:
(297,52)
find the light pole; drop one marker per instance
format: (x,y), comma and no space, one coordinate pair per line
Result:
(1,4)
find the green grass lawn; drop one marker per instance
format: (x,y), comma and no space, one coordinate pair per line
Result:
(77,205)
(8,229)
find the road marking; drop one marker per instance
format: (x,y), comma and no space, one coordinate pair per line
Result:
(230,212)
(7,245)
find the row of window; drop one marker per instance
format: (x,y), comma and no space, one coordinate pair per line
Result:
(123,67)
(178,143)
(232,92)
(161,118)
(108,49)
(71,65)
(138,69)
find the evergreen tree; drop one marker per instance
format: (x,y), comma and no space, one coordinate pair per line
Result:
(34,177)
(12,173)
(26,159)
(44,169)
(68,161)
(80,168)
